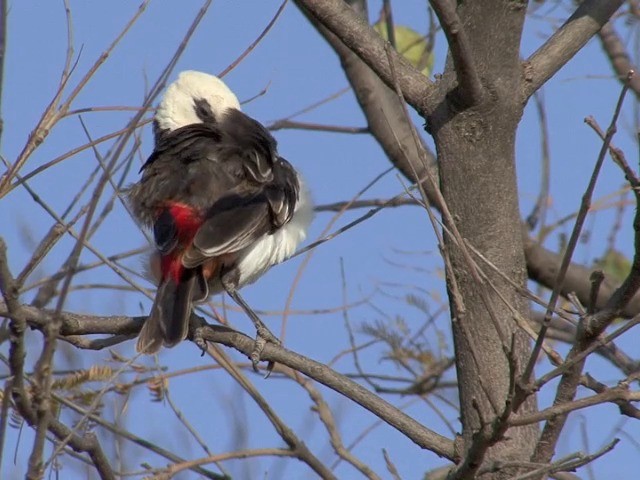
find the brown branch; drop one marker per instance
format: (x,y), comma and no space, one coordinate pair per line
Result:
(569,463)
(470,90)
(328,420)
(354,31)
(616,395)
(376,202)
(568,40)
(543,265)
(23,402)
(383,110)
(73,152)
(77,324)
(123,433)
(17,351)
(625,406)
(172,470)
(4,416)
(565,332)
(592,326)
(54,111)
(618,56)
(295,444)
(316,127)
(255,43)
(571,245)
(388,125)
(419,434)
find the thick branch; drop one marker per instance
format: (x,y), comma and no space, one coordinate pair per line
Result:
(357,34)
(75,324)
(419,434)
(389,126)
(470,87)
(384,111)
(542,265)
(588,18)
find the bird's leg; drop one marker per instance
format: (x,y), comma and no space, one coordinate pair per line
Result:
(263,334)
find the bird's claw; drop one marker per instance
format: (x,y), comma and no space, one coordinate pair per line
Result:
(263,336)
(200,342)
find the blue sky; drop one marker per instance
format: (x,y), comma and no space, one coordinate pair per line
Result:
(299,69)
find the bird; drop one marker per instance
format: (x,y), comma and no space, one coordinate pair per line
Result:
(222,204)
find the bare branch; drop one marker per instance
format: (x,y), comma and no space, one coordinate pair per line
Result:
(171,471)
(573,241)
(255,43)
(54,112)
(618,56)
(75,324)
(585,22)
(357,35)
(290,124)
(123,433)
(419,434)
(87,443)
(383,110)
(592,327)
(569,463)
(295,444)
(470,86)
(328,420)
(616,395)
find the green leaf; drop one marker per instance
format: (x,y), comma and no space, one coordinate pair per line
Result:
(614,265)
(410,44)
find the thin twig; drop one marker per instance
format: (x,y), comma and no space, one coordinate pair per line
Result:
(592,328)
(255,43)
(314,127)
(294,443)
(571,245)
(419,434)
(539,212)
(309,248)
(54,111)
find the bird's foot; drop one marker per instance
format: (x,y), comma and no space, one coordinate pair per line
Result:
(200,342)
(263,336)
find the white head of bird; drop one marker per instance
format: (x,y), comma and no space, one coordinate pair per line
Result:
(194,98)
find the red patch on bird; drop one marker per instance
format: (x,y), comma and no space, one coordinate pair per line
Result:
(171,266)
(188,220)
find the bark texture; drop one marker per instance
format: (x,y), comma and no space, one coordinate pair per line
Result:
(476,155)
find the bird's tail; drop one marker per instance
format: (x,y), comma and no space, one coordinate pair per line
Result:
(168,322)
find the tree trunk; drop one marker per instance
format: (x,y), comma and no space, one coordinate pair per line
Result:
(476,156)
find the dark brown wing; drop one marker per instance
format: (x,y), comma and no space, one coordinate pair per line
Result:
(236,222)
(229,171)
(184,167)
(232,224)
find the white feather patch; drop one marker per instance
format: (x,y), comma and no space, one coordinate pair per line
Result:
(177,107)
(273,249)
